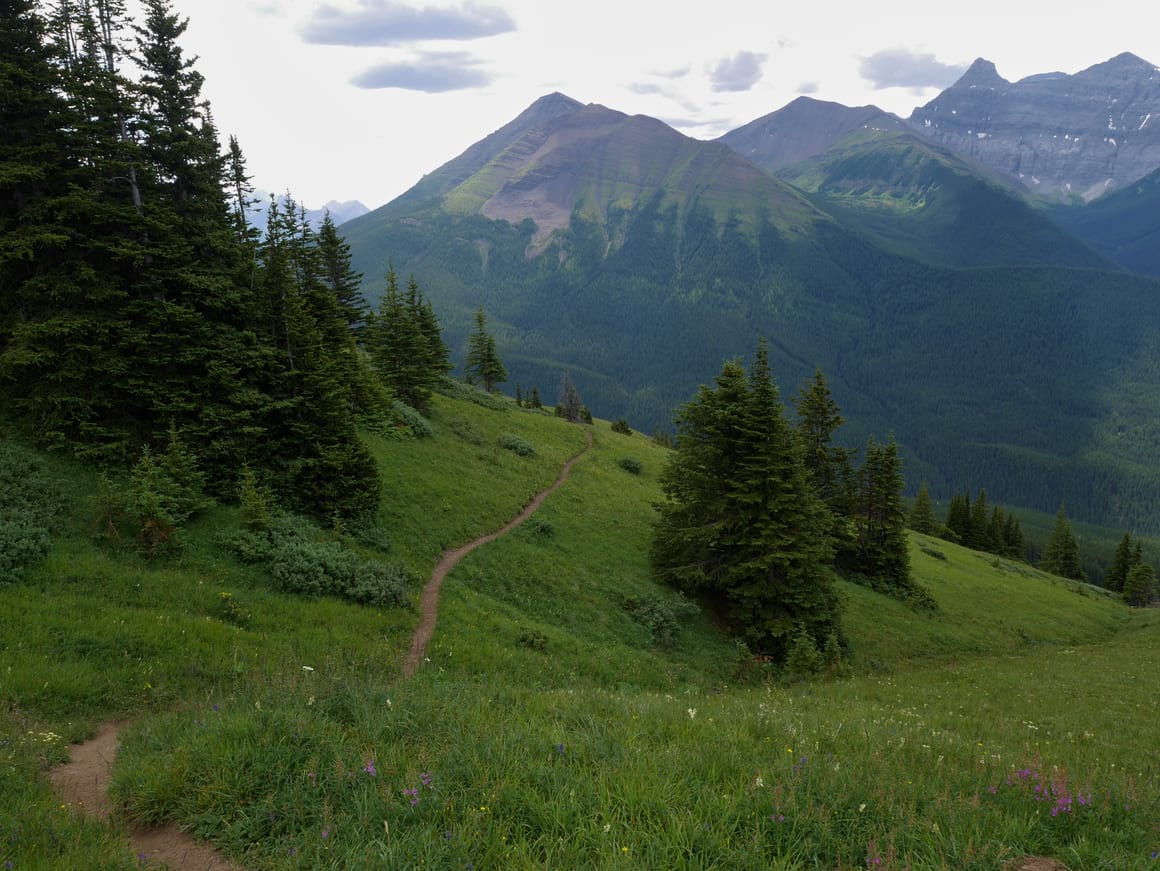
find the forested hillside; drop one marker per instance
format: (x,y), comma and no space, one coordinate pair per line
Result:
(1031,381)
(137,309)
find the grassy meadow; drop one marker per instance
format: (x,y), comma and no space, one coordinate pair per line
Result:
(571,713)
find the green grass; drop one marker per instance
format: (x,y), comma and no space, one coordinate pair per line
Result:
(548,728)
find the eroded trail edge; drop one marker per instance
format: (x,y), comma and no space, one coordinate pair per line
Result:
(429,600)
(83,782)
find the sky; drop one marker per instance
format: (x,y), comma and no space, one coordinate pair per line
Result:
(358,99)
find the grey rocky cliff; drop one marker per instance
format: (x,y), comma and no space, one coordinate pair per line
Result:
(1061,136)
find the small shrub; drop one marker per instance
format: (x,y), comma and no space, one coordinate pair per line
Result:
(407,422)
(457,389)
(621,426)
(299,562)
(803,659)
(541,528)
(662,438)
(229,611)
(465,430)
(533,639)
(517,445)
(256,500)
(833,660)
(930,551)
(662,617)
(631,465)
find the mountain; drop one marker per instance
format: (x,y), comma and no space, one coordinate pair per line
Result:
(923,200)
(340,213)
(802,129)
(1124,224)
(637,259)
(1061,136)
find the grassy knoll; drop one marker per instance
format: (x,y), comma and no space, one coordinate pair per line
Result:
(568,716)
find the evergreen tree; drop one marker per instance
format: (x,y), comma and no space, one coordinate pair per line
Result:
(922,517)
(977,530)
(338,276)
(405,343)
(827,464)
(1013,544)
(1123,562)
(1061,556)
(958,523)
(881,550)
(568,405)
(740,520)
(535,402)
(1140,585)
(483,365)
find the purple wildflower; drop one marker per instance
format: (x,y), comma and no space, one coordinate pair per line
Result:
(425,779)
(370,769)
(413,793)
(325,834)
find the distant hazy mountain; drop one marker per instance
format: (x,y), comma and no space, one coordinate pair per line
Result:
(340,213)
(1062,136)
(803,129)
(638,259)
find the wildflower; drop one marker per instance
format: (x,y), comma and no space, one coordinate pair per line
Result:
(560,749)
(307,668)
(413,792)
(624,849)
(425,779)
(758,782)
(692,713)
(861,807)
(325,834)
(607,828)
(777,818)
(370,769)
(447,836)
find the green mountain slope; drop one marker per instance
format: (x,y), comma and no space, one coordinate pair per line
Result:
(639,259)
(1124,225)
(551,725)
(924,201)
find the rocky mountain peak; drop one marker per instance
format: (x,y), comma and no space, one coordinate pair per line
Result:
(981,74)
(1061,136)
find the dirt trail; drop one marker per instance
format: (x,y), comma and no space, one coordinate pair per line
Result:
(83,781)
(429,601)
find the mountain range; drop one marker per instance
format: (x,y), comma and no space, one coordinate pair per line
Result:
(1005,346)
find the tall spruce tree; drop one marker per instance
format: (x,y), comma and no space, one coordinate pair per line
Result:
(568,404)
(827,464)
(1061,555)
(483,365)
(339,276)
(1122,562)
(741,521)
(922,517)
(1140,585)
(880,550)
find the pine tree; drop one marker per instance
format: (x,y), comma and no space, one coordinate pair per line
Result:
(338,275)
(958,523)
(741,520)
(827,464)
(922,517)
(1140,585)
(980,516)
(1061,556)
(1123,562)
(569,405)
(1013,544)
(535,402)
(881,550)
(483,365)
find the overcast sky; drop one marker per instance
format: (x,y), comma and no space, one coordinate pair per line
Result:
(357,99)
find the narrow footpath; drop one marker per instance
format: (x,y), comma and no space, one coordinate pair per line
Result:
(83,781)
(429,601)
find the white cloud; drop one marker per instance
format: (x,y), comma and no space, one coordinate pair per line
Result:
(738,73)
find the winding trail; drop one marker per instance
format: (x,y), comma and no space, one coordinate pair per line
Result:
(83,781)
(429,600)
